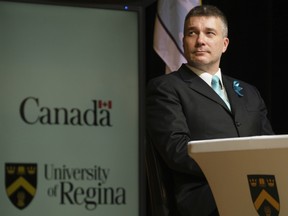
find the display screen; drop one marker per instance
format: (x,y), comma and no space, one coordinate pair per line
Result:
(69,114)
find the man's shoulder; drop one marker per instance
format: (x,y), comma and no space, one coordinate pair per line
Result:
(166,77)
(172,77)
(165,83)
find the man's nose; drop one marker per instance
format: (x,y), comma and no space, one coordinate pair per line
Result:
(200,38)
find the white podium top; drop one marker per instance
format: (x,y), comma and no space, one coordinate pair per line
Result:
(248,175)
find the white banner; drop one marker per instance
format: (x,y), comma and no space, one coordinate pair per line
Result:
(168,31)
(69,111)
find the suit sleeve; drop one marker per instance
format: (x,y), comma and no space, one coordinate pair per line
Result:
(167,127)
(266,128)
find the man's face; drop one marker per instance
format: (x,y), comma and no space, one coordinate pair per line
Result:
(204,42)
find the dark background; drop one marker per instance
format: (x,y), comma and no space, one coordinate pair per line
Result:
(258,31)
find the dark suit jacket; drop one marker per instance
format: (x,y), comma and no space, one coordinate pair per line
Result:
(181,107)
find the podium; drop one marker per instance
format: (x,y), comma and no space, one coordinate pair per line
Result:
(248,175)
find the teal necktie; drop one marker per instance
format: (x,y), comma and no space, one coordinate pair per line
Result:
(215,84)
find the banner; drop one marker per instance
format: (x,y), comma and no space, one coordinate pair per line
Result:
(69,111)
(168,31)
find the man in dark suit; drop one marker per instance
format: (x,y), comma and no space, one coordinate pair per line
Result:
(182,106)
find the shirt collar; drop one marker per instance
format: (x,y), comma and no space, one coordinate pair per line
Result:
(207,77)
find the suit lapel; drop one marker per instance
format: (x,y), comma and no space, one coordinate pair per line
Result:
(199,85)
(234,99)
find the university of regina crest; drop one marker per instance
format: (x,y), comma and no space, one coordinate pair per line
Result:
(264,193)
(21,183)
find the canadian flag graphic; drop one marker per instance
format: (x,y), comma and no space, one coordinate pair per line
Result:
(104,104)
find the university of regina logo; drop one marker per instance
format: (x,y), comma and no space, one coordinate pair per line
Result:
(264,193)
(21,183)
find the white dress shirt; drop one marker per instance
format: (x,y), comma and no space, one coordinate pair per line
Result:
(207,77)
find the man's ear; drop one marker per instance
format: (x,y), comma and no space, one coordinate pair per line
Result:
(226,43)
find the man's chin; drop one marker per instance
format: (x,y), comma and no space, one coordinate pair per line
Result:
(199,62)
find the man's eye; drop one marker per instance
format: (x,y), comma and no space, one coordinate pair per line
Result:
(211,33)
(191,33)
